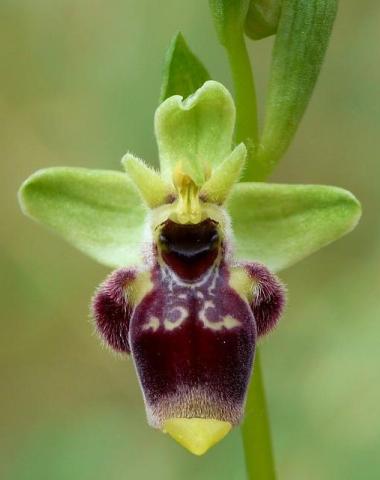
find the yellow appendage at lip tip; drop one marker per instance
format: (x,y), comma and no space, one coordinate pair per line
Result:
(196,434)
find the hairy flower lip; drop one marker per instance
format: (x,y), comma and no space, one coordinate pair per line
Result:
(193,347)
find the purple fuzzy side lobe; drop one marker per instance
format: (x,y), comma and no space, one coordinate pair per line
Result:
(112,311)
(269,298)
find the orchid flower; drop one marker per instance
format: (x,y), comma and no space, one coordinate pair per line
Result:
(194,251)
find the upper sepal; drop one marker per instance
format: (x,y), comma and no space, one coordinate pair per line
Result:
(195,132)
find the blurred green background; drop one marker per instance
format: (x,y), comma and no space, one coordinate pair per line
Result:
(80,81)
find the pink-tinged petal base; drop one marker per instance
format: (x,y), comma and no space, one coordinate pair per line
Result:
(269,297)
(112,311)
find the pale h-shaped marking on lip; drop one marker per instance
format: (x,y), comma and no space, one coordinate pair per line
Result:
(227,321)
(176,314)
(153,323)
(183,314)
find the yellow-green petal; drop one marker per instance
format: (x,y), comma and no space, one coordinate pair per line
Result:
(153,189)
(224,177)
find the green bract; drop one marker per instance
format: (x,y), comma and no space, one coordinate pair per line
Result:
(183,72)
(101,212)
(301,41)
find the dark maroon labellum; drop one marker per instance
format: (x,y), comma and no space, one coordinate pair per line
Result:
(193,345)
(191,334)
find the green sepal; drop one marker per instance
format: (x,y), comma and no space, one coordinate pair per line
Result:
(196,132)
(152,188)
(262,18)
(97,211)
(183,72)
(280,225)
(301,42)
(229,17)
(223,178)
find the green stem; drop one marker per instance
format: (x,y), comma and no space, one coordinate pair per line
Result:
(256,430)
(245,98)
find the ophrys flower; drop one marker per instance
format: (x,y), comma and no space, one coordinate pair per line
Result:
(190,314)
(190,300)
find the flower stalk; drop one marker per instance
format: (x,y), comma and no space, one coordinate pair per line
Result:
(245,98)
(258,450)
(255,430)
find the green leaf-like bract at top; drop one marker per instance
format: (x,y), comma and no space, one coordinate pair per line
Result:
(279,225)
(301,42)
(97,211)
(183,73)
